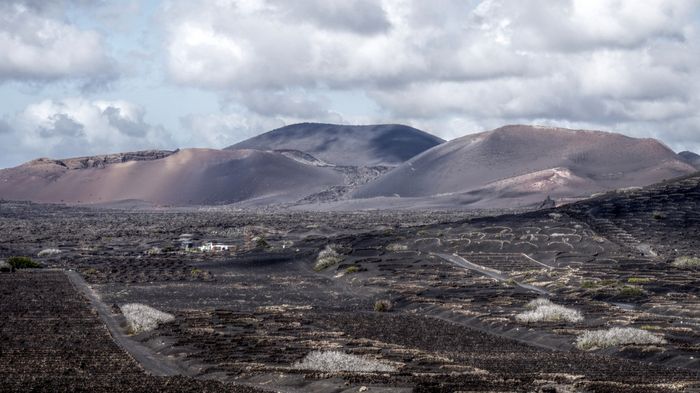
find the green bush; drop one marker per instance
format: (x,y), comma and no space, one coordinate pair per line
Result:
(639,280)
(382,305)
(658,215)
(631,291)
(22,263)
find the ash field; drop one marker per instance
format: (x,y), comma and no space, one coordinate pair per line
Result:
(419,301)
(580,293)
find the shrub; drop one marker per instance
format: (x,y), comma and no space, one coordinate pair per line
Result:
(658,215)
(686,262)
(154,251)
(383,305)
(194,272)
(639,280)
(48,252)
(327,257)
(543,310)
(260,242)
(143,318)
(22,263)
(396,247)
(335,361)
(631,291)
(589,284)
(352,269)
(5,267)
(598,339)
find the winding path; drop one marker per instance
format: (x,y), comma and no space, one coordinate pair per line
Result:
(461,262)
(149,361)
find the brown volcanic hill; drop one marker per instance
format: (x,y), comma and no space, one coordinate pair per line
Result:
(186,177)
(369,145)
(521,165)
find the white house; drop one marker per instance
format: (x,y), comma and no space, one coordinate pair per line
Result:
(211,247)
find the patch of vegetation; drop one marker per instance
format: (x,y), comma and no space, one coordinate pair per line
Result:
(396,247)
(154,251)
(352,269)
(685,262)
(336,361)
(639,280)
(48,252)
(657,215)
(260,242)
(22,263)
(5,267)
(194,272)
(588,284)
(543,310)
(631,291)
(383,305)
(327,257)
(90,271)
(143,318)
(598,339)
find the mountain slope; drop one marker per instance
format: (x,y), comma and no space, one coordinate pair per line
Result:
(691,158)
(186,177)
(386,144)
(524,164)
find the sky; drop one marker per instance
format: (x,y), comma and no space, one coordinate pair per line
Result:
(85,77)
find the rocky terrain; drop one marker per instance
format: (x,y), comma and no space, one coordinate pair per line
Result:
(425,301)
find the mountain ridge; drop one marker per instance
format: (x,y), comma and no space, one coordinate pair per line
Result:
(348,145)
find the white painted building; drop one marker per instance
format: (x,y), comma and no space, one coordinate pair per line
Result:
(211,247)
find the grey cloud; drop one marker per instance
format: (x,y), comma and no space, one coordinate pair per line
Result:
(62,125)
(5,127)
(134,128)
(358,16)
(284,103)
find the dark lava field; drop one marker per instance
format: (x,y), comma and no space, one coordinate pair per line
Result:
(424,301)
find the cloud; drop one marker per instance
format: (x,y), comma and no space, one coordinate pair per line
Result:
(78,127)
(5,127)
(224,129)
(61,124)
(572,60)
(356,16)
(38,44)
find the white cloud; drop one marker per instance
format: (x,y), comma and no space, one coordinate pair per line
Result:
(221,130)
(600,61)
(36,44)
(76,127)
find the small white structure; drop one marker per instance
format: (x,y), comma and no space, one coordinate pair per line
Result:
(185,241)
(211,247)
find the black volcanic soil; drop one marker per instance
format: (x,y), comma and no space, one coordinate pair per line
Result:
(456,280)
(52,341)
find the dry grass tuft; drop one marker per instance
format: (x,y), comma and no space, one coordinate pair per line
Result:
(335,361)
(329,256)
(597,339)
(686,262)
(543,310)
(143,318)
